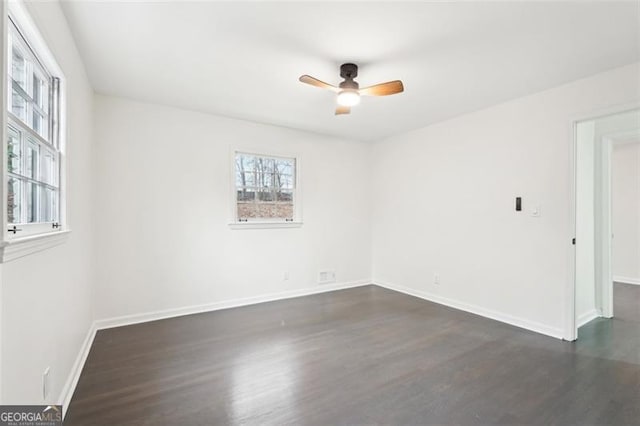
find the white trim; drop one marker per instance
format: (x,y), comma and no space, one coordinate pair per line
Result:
(570,331)
(76,370)
(626,280)
(20,247)
(264,225)
(604,228)
(226,304)
(587,317)
(477,310)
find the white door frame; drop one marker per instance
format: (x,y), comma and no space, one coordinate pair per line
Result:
(570,324)
(605,307)
(608,142)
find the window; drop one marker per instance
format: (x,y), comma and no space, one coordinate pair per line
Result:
(33,148)
(265,188)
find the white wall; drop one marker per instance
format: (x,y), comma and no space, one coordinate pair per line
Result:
(164,206)
(442,202)
(445,203)
(46,297)
(625,190)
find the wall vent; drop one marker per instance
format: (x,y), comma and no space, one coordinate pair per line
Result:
(326,277)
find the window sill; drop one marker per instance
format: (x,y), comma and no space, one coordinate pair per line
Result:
(24,246)
(264,225)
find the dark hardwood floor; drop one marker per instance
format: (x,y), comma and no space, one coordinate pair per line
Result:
(361,356)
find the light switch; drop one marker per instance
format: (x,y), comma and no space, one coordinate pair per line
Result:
(535,211)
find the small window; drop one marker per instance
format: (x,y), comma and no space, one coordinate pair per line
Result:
(265,188)
(32,144)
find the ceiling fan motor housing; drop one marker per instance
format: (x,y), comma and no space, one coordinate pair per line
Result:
(349,84)
(348,71)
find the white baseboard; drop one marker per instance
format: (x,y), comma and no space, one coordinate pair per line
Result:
(72,381)
(587,317)
(626,280)
(234,303)
(478,310)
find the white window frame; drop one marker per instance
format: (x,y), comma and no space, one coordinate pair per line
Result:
(37,236)
(265,223)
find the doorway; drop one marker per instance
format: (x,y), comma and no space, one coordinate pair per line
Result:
(601,147)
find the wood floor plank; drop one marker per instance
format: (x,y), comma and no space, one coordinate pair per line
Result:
(360,356)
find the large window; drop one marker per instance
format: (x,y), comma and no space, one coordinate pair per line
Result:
(265,188)
(32,145)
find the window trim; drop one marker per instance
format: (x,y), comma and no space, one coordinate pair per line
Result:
(234,223)
(16,246)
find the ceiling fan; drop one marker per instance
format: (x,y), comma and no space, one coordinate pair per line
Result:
(349,91)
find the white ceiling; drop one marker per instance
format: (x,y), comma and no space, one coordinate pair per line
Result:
(243,59)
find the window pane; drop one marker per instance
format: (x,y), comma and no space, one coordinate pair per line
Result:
(289,182)
(265,165)
(245,162)
(265,180)
(265,211)
(32,202)
(14,154)
(285,196)
(19,68)
(40,124)
(49,172)
(284,166)
(33,151)
(266,195)
(18,105)
(55,203)
(284,182)
(247,210)
(48,205)
(246,194)
(285,211)
(245,179)
(41,93)
(264,187)
(13,200)
(45,97)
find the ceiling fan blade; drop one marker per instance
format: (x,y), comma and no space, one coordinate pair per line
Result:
(383,89)
(343,110)
(317,83)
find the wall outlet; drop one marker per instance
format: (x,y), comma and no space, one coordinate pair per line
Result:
(45,383)
(326,277)
(436,279)
(285,276)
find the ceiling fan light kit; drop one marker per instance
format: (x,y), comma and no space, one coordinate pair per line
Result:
(348,98)
(349,91)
